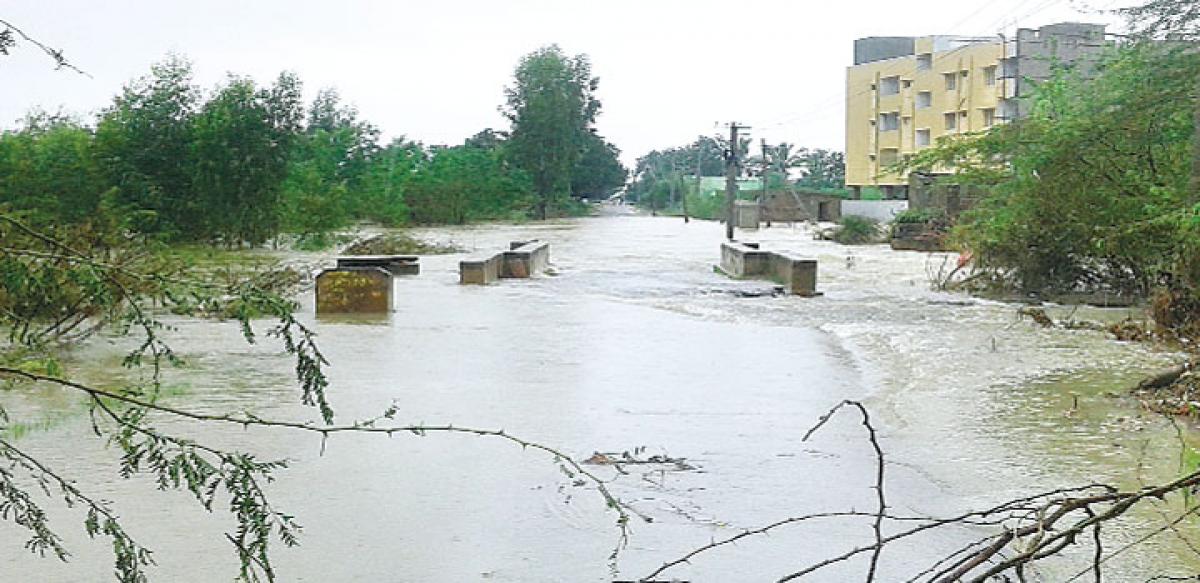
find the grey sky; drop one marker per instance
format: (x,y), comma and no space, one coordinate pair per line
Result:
(434,71)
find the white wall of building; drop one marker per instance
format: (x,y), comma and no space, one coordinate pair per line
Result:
(880,210)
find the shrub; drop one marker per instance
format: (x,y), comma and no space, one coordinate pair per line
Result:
(919,216)
(854,230)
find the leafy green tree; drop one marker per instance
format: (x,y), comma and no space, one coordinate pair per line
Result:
(821,169)
(487,139)
(551,106)
(241,146)
(48,169)
(382,196)
(599,172)
(463,183)
(144,143)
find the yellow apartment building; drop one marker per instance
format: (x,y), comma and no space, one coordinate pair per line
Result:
(904,93)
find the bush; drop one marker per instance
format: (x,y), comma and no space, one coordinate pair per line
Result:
(854,230)
(919,216)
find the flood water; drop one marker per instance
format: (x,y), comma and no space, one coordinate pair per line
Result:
(633,342)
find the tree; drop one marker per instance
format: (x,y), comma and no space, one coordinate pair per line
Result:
(552,107)
(1159,18)
(48,169)
(463,183)
(1091,189)
(241,146)
(144,142)
(823,169)
(599,172)
(382,198)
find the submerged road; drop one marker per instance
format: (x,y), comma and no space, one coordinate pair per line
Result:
(633,345)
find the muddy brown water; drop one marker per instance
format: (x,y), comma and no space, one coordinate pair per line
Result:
(633,344)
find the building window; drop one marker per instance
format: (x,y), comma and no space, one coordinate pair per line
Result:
(951,81)
(924,100)
(924,61)
(951,121)
(989,117)
(922,137)
(888,156)
(889,86)
(989,75)
(907,83)
(889,122)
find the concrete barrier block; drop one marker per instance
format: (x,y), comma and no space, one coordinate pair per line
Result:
(746,260)
(525,258)
(521,261)
(743,260)
(480,270)
(355,290)
(798,276)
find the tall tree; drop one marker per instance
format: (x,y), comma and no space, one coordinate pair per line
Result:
(464,183)
(144,141)
(821,168)
(48,169)
(242,141)
(551,106)
(599,172)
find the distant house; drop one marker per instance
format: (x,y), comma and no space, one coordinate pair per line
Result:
(714,185)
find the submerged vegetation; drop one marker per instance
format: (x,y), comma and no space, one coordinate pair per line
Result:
(397,244)
(1092,191)
(854,230)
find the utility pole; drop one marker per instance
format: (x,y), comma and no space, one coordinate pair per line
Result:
(732,163)
(674,178)
(699,160)
(765,171)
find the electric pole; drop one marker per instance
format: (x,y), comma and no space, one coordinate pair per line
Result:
(765,170)
(674,178)
(732,163)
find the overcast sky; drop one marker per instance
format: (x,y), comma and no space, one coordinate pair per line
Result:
(434,70)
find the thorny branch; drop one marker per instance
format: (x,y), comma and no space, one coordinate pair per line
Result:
(1033,528)
(100,518)
(7,41)
(133,422)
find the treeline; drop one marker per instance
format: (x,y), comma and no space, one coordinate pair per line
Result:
(243,163)
(1095,190)
(668,179)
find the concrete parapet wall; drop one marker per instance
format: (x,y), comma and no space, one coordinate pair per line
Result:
(354,290)
(741,260)
(798,276)
(521,261)
(396,264)
(480,270)
(525,259)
